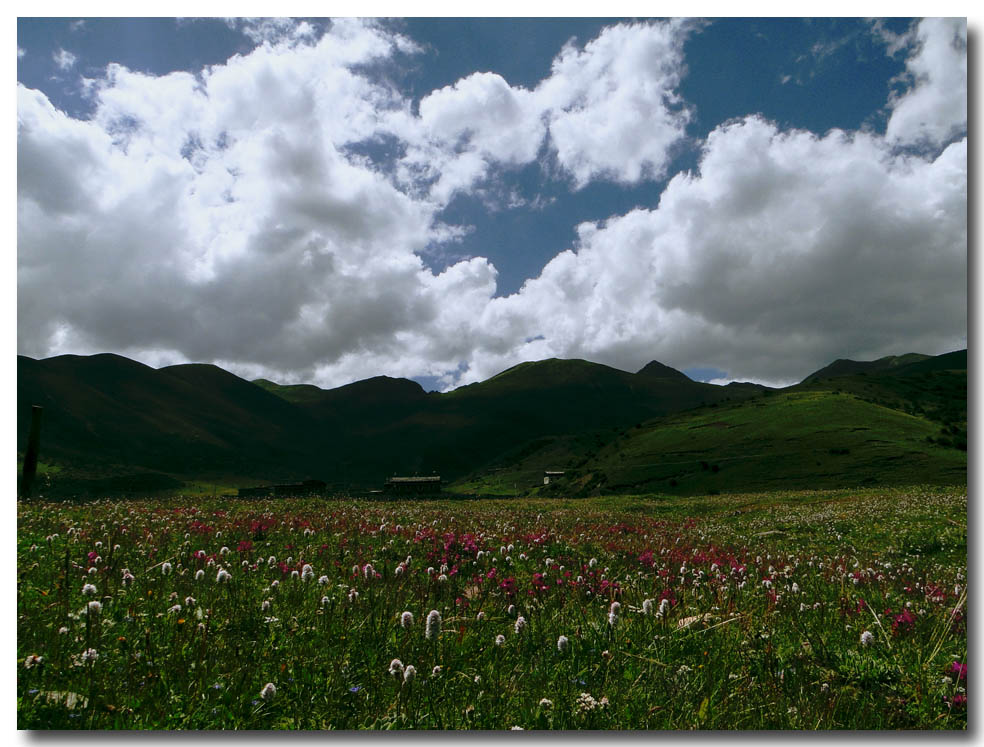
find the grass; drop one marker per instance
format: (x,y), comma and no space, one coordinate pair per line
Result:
(767,597)
(791,440)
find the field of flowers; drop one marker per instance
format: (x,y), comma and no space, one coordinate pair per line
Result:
(807,610)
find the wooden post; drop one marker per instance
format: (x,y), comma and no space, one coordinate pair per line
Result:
(31,456)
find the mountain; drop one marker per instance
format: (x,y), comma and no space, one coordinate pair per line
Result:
(110,421)
(847,367)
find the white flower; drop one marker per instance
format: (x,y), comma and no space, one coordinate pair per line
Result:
(199,575)
(272,560)
(165,568)
(307,572)
(396,667)
(32,661)
(433,629)
(175,608)
(222,576)
(436,671)
(224,551)
(520,625)
(409,673)
(406,620)
(325,601)
(90,654)
(511,610)
(294,575)
(268,692)
(89,590)
(613,613)
(867,638)
(500,640)
(664,607)
(592,563)
(368,571)
(323,581)
(647,606)
(95,606)
(265,606)
(562,644)
(62,630)
(545,703)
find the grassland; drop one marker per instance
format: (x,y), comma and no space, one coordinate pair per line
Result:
(793,440)
(799,609)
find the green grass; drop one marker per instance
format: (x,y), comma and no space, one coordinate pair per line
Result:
(730,652)
(795,440)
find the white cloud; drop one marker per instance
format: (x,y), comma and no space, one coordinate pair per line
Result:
(64,59)
(786,250)
(933,110)
(222,217)
(20,52)
(611,111)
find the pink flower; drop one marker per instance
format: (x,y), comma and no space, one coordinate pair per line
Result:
(960,670)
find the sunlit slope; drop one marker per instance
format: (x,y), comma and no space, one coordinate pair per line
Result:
(791,440)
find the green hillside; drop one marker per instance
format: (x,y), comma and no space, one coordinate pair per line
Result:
(790,440)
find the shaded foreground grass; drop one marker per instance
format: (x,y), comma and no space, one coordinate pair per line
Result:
(801,610)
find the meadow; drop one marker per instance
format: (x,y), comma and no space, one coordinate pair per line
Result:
(797,610)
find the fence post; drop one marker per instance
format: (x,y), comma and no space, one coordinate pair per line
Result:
(31,455)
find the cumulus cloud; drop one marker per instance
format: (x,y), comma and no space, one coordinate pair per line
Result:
(933,110)
(607,111)
(64,59)
(226,216)
(786,250)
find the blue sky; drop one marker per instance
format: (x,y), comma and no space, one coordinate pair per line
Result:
(443,198)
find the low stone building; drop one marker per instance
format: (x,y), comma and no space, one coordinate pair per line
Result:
(413,485)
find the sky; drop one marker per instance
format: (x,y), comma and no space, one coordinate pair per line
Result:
(315,201)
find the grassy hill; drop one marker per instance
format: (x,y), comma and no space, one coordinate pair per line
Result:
(111,423)
(792,440)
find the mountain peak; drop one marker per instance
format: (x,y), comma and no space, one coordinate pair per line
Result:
(657,370)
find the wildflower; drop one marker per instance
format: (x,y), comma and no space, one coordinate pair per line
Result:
(224,551)
(95,607)
(307,572)
(89,590)
(127,577)
(520,625)
(272,560)
(62,630)
(480,616)
(90,654)
(368,571)
(443,578)
(516,728)
(647,606)
(199,575)
(175,608)
(189,601)
(562,644)
(32,661)
(867,638)
(295,575)
(511,610)
(396,667)
(592,563)
(222,576)
(436,671)
(325,601)
(545,704)
(268,692)
(613,613)
(959,669)
(409,673)
(406,620)
(265,606)
(433,629)
(323,581)
(500,640)
(165,568)
(796,588)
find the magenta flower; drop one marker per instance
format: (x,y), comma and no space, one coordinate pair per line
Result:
(960,670)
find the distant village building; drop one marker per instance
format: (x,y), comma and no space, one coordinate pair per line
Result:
(417,485)
(549,475)
(307,487)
